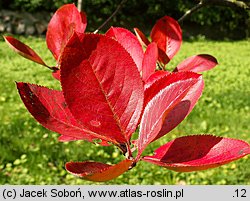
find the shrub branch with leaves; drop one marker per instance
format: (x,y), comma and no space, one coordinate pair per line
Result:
(116,82)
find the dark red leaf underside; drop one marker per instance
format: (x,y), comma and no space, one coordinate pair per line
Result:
(23,50)
(178,113)
(149,61)
(48,107)
(95,171)
(197,63)
(182,109)
(129,41)
(64,22)
(161,79)
(102,86)
(163,57)
(155,83)
(141,38)
(198,152)
(159,106)
(168,36)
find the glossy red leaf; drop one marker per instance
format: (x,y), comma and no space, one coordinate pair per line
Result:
(23,50)
(64,22)
(178,113)
(141,38)
(154,77)
(198,152)
(157,81)
(129,41)
(168,36)
(149,61)
(102,86)
(162,79)
(48,107)
(159,106)
(197,63)
(182,109)
(95,171)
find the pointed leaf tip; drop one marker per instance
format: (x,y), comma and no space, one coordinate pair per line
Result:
(95,171)
(141,38)
(48,107)
(197,63)
(198,152)
(23,50)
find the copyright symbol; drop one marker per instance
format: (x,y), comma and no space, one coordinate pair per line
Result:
(9,194)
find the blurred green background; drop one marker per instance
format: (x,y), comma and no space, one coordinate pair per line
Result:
(226,22)
(30,154)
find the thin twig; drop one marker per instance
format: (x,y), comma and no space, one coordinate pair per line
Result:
(192,10)
(229,3)
(226,3)
(111,16)
(79,5)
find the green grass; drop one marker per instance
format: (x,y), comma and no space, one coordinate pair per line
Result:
(30,154)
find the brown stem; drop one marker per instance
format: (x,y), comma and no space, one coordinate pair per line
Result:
(123,148)
(129,153)
(53,68)
(111,16)
(227,3)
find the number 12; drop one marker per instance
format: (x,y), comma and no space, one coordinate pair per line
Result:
(241,193)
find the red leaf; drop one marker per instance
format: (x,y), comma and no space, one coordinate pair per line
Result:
(168,36)
(129,41)
(162,79)
(102,86)
(64,22)
(23,50)
(197,63)
(198,152)
(182,109)
(56,74)
(154,77)
(163,57)
(141,38)
(48,107)
(161,103)
(149,61)
(95,171)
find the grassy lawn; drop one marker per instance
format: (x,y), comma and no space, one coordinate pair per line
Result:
(30,154)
